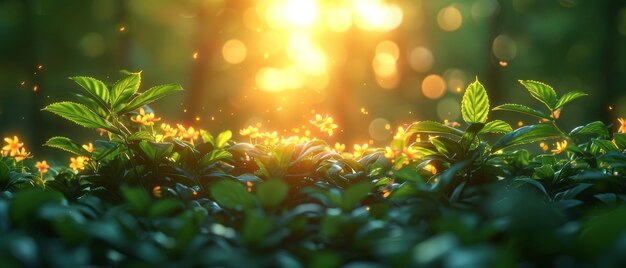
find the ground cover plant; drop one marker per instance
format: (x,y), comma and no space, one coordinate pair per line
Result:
(477,193)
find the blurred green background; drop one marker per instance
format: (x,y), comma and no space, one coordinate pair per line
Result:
(431,50)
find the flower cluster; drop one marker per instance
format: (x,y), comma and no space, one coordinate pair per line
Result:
(146,119)
(15,149)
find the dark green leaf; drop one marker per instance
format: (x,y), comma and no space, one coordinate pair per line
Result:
(527,134)
(231,194)
(522,109)
(68,145)
(150,96)
(475,104)
(593,128)
(541,92)
(353,195)
(80,115)
(137,198)
(271,193)
(156,151)
(214,156)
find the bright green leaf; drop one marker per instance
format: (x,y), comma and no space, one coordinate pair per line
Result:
(522,109)
(68,145)
(80,115)
(214,156)
(124,89)
(430,127)
(541,92)
(150,96)
(222,138)
(475,103)
(569,97)
(96,88)
(593,128)
(496,126)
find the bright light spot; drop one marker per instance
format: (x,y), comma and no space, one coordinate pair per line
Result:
(291,13)
(384,65)
(433,86)
(449,19)
(421,59)
(377,129)
(388,47)
(339,18)
(195,55)
(375,15)
(234,51)
(504,48)
(308,57)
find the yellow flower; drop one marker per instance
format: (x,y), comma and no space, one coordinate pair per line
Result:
(13,145)
(544,146)
(389,153)
(400,134)
(270,138)
(42,166)
(560,147)
(557,113)
(386,193)
(340,147)
(21,155)
(432,169)
(359,150)
(191,134)
(145,119)
(325,124)
(89,147)
(168,131)
(410,153)
(78,163)
(622,127)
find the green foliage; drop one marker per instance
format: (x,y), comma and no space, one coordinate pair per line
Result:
(437,196)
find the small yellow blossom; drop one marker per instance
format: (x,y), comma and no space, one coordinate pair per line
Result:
(251,131)
(399,134)
(78,163)
(386,193)
(430,168)
(42,167)
(189,134)
(89,147)
(389,153)
(13,145)
(622,127)
(325,124)
(145,119)
(359,150)
(21,155)
(168,131)
(560,147)
(410,153)
(340,147)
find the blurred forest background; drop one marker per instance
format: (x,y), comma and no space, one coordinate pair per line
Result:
(371,64)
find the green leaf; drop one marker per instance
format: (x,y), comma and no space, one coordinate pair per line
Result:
(96,88)
(470,135)
(541,92)
(593,128)
(156,151)
(431,127)
(446,145)
(222,138)
(353,195)
(124,89)
(150,96)
(620,140)
(27,203)
(475,104)
(214,156)
(606,145)
(163,207)
(137,198)
(80,115)
(527,134)
(140,135)
(231,194)
(496,126)
(67,145)
(256,226)
(522,109)
(271,193)
(569,97)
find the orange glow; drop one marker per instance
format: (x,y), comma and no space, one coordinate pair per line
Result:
(449,19)
(234,51)
(433,86)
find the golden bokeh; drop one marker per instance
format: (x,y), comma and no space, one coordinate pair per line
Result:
(433,86)
(234,51)
(450,18)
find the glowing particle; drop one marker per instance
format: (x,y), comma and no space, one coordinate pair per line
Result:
(503,63)
(195,55)
(122,29)
(35,88)
(197,118)
(279,109)
(185,110)
(23,82)
(520,123)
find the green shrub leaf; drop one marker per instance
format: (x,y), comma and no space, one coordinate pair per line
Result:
(67,145)
(431,127)
(353,195)
(527,134)
(522,109)
(222,138)
(80,115)
(156,151)
(496,126)
(593,128)
(96,88)
(541,92)
(569,97)
(150,96)
(231,194)
(475,104)
(271,193)
(124,89)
